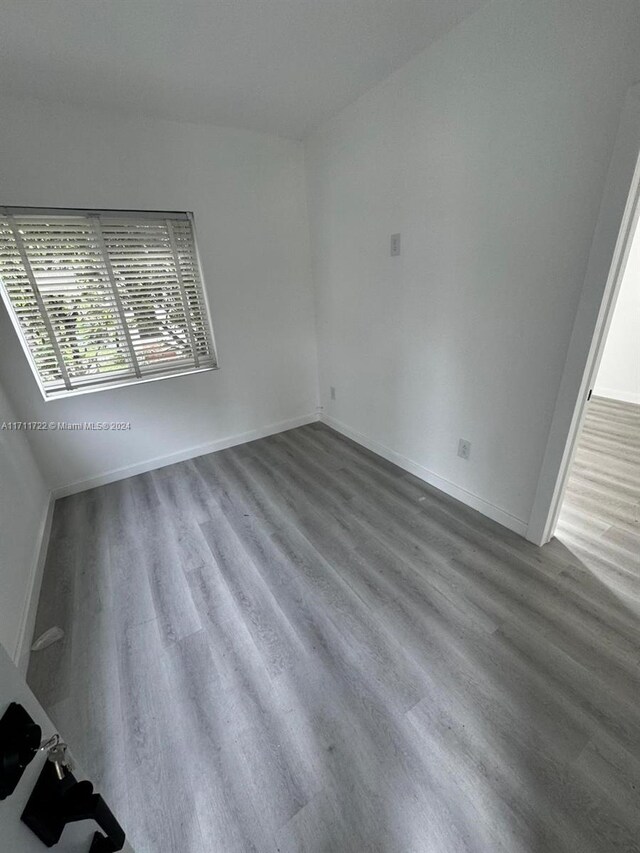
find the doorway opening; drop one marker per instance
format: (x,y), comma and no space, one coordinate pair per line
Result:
(578,404)
(599,517)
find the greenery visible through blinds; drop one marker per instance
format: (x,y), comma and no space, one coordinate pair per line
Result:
(104,298)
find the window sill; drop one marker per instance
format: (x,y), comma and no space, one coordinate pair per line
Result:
(63,394)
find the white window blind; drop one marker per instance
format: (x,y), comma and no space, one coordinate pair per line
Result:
(104,298)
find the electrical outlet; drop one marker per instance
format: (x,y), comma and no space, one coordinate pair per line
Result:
(464,449)
(332,392)
(395,245)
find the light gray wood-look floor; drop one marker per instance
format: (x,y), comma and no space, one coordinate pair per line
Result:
(295,646)
(600,518)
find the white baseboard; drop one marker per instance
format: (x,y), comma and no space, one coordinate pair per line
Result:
(30,609)
(621,396)
(181,456)
(511,522)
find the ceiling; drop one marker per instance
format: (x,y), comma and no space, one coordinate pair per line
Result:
(280,66)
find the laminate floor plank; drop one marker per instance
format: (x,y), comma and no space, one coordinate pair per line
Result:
(268,626)
(164,561)
(163,813)
(293,645)
(91,715)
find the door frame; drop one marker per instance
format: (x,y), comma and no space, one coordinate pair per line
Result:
(615,228)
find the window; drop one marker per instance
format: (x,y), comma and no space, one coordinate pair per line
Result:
(104,298)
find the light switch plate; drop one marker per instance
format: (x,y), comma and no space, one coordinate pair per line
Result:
(464,448)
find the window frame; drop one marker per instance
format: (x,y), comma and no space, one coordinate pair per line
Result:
(108,384)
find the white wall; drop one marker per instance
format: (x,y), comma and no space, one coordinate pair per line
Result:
(488,153)
(24,500)
(619,371)
(247,191)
